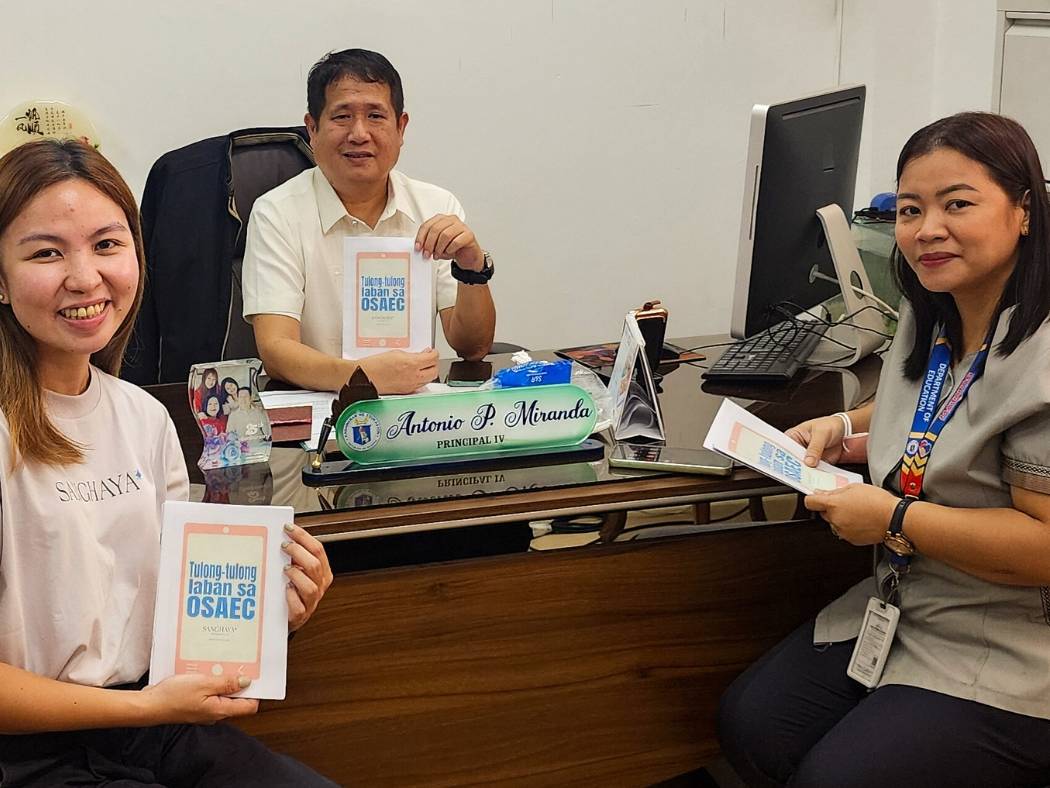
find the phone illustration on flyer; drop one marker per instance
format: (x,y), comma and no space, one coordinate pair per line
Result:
(383,284)
(221,598)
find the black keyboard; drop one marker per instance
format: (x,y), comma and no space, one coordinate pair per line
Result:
(773,356)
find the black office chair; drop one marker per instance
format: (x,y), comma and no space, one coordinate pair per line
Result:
(258,163)
(195,209)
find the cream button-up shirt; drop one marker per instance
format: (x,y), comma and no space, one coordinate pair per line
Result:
(293,258)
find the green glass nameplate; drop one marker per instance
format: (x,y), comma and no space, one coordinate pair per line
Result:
(422,427)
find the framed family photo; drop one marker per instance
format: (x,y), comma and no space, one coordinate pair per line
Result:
(224,398)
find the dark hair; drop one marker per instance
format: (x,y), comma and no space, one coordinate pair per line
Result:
(25,172)
(360,64)
(204,388)
(1006,151)
(244,388)
(205,402)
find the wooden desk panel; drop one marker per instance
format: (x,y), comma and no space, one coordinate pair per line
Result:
(589,666)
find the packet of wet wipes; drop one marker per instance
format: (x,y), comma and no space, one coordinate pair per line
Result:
(534,373)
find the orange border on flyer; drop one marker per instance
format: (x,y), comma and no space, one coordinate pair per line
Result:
(385,342)
(228,668)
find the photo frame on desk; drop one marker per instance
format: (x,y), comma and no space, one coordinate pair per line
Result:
(636,406)
(224,399)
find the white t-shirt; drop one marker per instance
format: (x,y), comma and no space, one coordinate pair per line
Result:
(293,257)
(81,543)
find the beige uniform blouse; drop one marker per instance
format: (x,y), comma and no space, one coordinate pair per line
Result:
(958,634)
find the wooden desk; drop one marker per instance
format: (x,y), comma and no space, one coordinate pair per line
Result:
(593,665)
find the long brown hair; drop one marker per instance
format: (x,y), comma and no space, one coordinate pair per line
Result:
(24,173)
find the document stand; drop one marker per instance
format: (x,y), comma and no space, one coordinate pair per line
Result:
(345,471)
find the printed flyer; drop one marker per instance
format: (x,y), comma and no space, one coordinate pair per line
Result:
(388,297)
(744,437)
(221,606)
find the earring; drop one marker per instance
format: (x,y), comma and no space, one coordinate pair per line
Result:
(3,298)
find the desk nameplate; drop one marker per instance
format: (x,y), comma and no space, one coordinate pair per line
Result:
(474,423)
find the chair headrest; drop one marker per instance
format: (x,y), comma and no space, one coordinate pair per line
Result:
(259,163)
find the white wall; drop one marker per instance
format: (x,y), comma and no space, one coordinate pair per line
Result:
(921,61)
(597,145)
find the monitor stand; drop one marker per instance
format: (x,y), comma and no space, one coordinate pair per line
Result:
(863,332)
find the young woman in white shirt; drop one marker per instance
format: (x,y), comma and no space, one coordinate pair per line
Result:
(85,462)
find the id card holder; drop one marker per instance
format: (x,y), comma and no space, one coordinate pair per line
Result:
(873,644)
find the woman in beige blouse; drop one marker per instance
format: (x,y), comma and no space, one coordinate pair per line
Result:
(964,696)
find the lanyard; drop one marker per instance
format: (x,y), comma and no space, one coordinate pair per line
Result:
(926,426)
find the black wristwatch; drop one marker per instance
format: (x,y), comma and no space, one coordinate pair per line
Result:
(469,277)
(895,540)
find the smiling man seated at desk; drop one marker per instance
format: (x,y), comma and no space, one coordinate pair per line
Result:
(293,259)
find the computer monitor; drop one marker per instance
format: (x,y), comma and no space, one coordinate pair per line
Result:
(801,174)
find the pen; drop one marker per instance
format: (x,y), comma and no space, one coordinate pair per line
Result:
(326,428)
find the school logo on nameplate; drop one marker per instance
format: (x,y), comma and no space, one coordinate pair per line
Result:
(362,431)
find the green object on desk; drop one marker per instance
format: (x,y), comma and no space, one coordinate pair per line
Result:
(470,423)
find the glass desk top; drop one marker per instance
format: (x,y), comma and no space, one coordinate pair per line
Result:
(688,406)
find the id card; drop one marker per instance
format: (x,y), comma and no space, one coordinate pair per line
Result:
(383,287)
(873,643)
(221,599)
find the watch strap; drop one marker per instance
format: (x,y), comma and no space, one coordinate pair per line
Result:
(895,539)
(469,277)
(896,526)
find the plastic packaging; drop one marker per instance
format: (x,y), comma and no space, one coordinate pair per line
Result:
(534,373)
(592,384)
